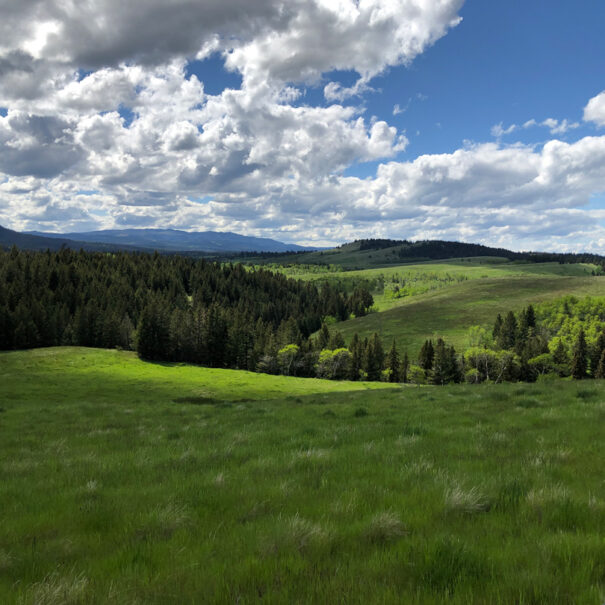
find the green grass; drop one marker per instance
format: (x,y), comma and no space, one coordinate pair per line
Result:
(84,372)
(123,482)
(449,312)
(421,278)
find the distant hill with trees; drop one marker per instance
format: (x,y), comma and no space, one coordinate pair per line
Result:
(365,253)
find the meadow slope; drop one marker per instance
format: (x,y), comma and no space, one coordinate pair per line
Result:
(450,312)
(123,482)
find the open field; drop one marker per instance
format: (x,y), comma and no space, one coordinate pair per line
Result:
(449,312)
(419,278)
(123,482)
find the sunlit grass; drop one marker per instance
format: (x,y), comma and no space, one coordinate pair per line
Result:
(118,486)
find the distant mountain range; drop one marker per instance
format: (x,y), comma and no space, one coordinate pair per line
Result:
(163,240)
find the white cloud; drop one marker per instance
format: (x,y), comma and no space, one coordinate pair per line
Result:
(559,127)
(105,129)
(498,130)
(553,125)
(595,110)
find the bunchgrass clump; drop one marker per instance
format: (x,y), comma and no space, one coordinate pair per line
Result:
(385,527)
(55,589)
(466,501)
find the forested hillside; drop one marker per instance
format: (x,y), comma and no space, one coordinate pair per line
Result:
(168,307)
(366,253)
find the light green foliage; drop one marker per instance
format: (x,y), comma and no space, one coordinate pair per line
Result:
(478,336)
(416,375)
(286,358)
(493,366)
(334,364)
(564,317)
(123,482)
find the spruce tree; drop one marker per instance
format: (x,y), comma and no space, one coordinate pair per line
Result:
(508,334)
(393,364)
(426,356)
(374,358)
(579,362)
(439,366)
(356,350)
(600,373)
(323,340)
(530,317)
(497,328)
(336,341)
(596,352)
(405,366)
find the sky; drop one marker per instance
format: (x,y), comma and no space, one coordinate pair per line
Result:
(308,121)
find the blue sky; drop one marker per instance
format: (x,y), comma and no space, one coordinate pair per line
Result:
(308,120)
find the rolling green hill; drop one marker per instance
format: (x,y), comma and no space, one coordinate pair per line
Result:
(450,312)
(421,278)
(363,254)
(123,483)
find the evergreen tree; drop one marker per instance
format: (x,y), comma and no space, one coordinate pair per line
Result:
(579,362)
(336,341)
(356,349)
(405,366)
(596,352)
(323,340)
(361,301)
(439,365)
(426,356)
(600,373)
(497,328)
(508,333)
(153,342)
(445,365)
(374,358)
(530,317)
(393,364)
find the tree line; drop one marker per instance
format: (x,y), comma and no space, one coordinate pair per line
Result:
(175,308)
(166,307)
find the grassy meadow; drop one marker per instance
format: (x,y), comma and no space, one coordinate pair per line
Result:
(427,277)
(125,482)
(450,311)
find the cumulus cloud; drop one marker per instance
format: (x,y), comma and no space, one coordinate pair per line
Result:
(105,127)
(595,110)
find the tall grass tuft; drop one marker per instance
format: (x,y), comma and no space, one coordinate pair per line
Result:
(385,527)
(466,501)
(57,590)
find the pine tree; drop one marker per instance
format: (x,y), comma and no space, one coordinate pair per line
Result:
(497,328)
(356,349)
(596,352)
(336,341)
(426,356)
(374,358)
(405,366)
(323,340)
(153,340)
(530,317)
(600,373)
(393,364)
(508,334)
(579,360)
(439,365)
(560,359)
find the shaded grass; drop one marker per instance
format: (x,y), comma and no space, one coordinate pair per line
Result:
(441,494)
